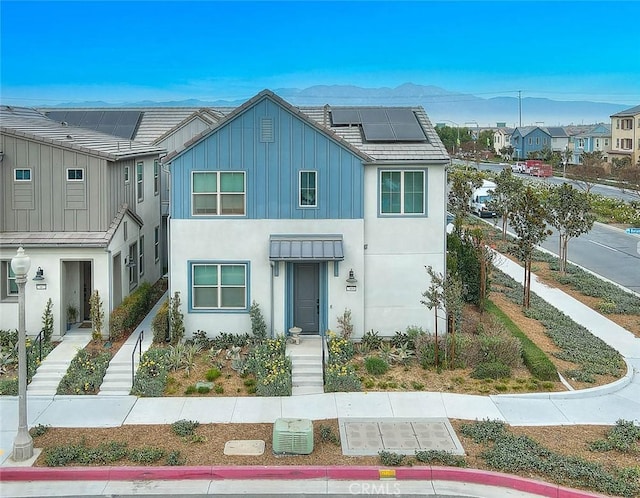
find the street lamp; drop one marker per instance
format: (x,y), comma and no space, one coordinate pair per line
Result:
(23,444)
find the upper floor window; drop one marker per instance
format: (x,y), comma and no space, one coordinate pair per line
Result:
(156,243)
(219,286)
(140,181)
(606,142)
(75,175)
(22,175)
(530,140)
(402,192)
(156,177)
(627,124)
(308,189)
(126,174)
(218,193)
(141,256)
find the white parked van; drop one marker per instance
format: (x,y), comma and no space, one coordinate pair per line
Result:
(480,198)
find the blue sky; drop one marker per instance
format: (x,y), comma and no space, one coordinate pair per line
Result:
(121,51)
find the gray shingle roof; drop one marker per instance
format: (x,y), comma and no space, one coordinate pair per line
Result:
(31,124)
(627,112)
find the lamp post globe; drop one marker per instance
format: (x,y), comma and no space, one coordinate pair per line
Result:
(23,444)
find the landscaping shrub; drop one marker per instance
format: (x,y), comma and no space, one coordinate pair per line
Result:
(341,378)
(258,325)
(85,373)
(371,340)
(439,457)
(160,324)
(536,360)
(491,370)
(376,365)
(624,437)
(425,350)
(131,311)
(184,427)
(327,435)
(153,370)
(174,458)
(146,455)
(340,349)
(272,368)
(391,459)
(212,374)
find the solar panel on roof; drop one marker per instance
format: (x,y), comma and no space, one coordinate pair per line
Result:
(409,132)
(345,116)
(374,115)
(378,132)
(121,124)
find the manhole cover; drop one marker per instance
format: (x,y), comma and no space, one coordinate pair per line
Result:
(251,447)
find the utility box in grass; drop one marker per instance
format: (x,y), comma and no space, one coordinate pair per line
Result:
(292,436)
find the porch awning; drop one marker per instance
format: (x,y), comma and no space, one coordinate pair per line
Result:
(306,248)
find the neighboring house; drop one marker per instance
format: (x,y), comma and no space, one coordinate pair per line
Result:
(559,138)
(625,135)
(166,127)
(308,212)
(596,138)
(86,208)
(501,139)
(529,139)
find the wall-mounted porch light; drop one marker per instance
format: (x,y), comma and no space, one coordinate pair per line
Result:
(39,274)
(352,277)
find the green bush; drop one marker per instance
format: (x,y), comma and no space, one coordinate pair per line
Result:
(146,455)
(9,387)
(152,374)
(184,427)
(439,457)
(340,349)
(85,373)
(624,437)
(491,370)
(376,365)
(341,378)
(174,458)
(536,360)
(271,367)
(371,340)
(212,374)
(160,324)
(391,459)
(131,311)
(327,435)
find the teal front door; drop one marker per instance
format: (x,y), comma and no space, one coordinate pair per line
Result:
(306,297)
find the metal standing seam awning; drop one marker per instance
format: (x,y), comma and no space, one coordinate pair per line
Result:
(306,248)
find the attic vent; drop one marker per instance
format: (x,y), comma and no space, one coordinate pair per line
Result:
(266,130)
(293,436)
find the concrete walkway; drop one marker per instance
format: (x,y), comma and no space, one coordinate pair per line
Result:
(601,405)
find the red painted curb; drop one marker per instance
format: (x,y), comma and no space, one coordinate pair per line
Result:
(363,473)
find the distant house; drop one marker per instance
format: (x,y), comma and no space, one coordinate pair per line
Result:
(85,206)
(502,138)
(308,212)
(527,140)
(559,138)
(625,135)
(596,138)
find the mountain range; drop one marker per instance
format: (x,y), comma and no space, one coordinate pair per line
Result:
(441,105)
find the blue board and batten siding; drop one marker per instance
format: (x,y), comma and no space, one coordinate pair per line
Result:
(272,168)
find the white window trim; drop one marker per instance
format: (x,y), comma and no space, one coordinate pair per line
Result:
(140,182)
(402,173)
(75,179)
(127,175)
(15,174)
(219,286)
(156,177)
(141,256)
(315,188)
(156,243)
(218,194)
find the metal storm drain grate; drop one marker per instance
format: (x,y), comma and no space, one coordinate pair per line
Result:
(368,436)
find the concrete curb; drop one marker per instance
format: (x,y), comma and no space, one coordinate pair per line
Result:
(358,473)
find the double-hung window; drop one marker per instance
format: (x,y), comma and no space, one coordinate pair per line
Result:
(218,193)
(308,189)
(156,243)
(156,177)
(218,286)
(402,192)
(140,181)
(10,287)
(141,256)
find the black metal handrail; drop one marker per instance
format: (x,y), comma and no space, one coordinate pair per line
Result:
(138,345)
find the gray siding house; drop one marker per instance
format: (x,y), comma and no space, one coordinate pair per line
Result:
(85,206)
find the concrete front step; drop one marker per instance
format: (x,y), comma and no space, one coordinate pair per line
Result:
(301,390)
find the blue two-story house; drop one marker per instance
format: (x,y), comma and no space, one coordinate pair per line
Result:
(308,212)
(526,140)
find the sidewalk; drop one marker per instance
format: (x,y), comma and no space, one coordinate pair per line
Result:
(601,405)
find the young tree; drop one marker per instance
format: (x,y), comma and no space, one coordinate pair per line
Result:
(176,319)
(454,304)
(47,321)
(507,188)
(507,152)
(461,185)
(592,168)
(485,259)
(568,211)
(96,312)
(434,300)
(527,218)
(630,175)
